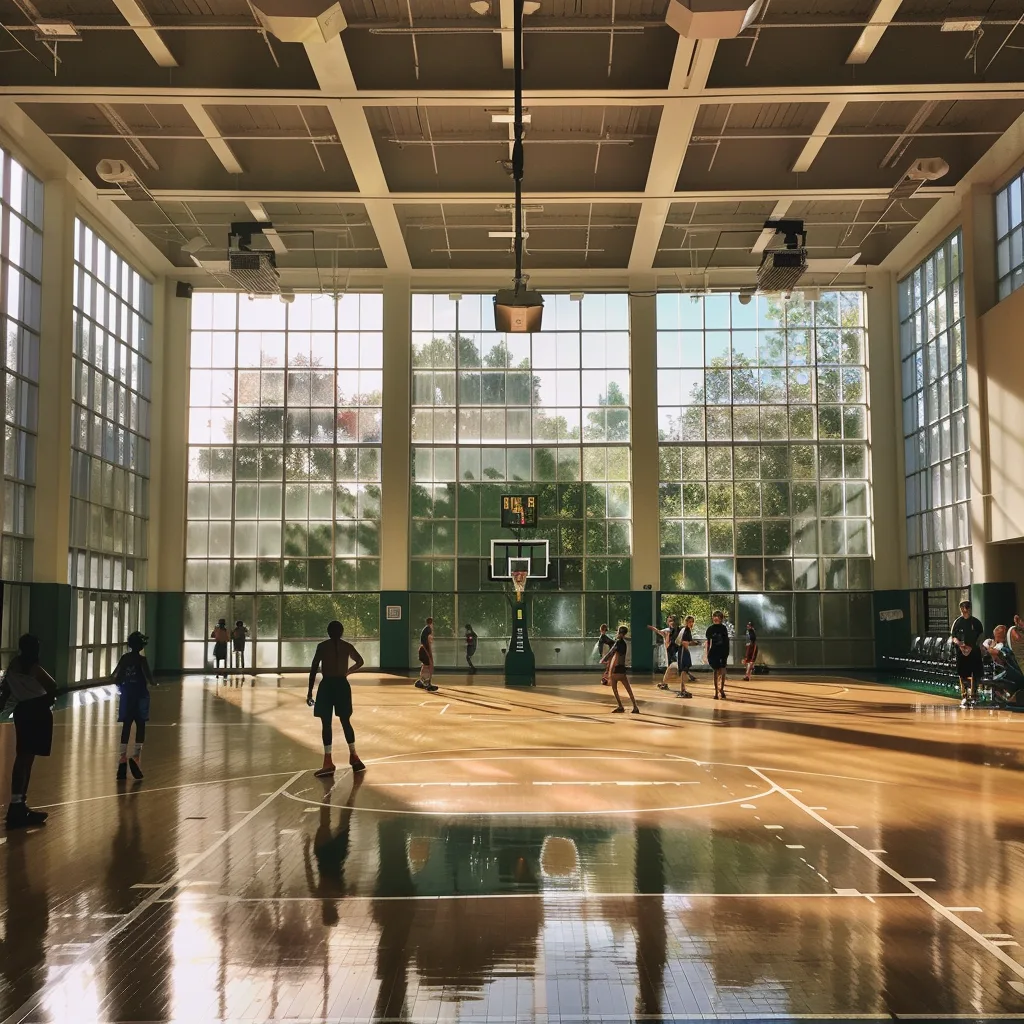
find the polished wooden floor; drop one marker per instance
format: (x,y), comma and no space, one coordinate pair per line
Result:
(805,849)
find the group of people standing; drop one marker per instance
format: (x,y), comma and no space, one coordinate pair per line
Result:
(34,692)
(1005,648)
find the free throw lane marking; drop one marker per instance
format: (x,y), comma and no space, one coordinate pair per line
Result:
(943,911)
(94,947)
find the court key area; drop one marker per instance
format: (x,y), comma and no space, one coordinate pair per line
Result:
(808,848)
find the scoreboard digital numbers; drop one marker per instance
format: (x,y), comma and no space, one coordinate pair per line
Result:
(518,510)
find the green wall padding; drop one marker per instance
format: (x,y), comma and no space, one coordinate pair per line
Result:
(394,633)
(165,626)
(892,636)
(49,619)
(641,612)
(994,603)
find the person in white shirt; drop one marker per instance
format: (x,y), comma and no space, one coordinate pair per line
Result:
(33,691)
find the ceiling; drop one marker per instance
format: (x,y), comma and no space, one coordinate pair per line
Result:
(646,152)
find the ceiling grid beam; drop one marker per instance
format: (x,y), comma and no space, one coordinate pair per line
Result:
(813,146)
(330,64)
(871,35)
(211,134)
(135,14)
(678,118)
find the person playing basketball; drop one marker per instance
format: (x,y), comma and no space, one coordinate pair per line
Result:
(616,658)
(603,641)
(336,659)
(750,654)
(426,657)
(716,651)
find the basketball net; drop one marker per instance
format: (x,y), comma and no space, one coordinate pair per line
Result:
(519,582)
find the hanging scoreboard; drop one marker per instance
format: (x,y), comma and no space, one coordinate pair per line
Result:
(519,511)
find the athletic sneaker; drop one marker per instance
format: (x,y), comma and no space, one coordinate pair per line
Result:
(22,816)
(122,771)
(662,686)
(325,773)
(965,702)
(430,688)
(355,764)
(420,685)
(135,768)
(635,711)
(618,711)
(686,694)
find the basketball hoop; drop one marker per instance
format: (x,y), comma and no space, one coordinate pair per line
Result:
(519,577)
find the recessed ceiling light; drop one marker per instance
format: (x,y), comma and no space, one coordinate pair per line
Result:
(961,25)
(506,234)
(510,118)
(480,6)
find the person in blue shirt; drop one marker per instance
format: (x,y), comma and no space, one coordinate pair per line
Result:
(133,678)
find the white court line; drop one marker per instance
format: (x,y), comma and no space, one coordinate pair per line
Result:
(443,812)
(129,919)
(942,911)
(920,879)
(564,896)
(141,791)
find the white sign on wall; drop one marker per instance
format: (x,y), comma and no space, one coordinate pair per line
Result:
(891,615)
(393,611)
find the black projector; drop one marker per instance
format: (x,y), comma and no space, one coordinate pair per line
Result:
(781,269)
(518,311)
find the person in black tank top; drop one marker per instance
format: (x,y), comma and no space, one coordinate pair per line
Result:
(616,658)
(426,657)
(685,642)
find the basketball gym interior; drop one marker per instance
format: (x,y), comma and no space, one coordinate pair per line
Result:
(477,327)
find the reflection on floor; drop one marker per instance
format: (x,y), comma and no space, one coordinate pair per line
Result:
(806,848)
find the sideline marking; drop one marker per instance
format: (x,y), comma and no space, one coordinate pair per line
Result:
(942,911)
(93,948)
(921,880)
(165,789)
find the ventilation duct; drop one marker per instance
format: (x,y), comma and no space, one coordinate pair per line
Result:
(252,264)
(300,21)
(711,19)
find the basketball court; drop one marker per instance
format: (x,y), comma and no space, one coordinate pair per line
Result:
(808,848)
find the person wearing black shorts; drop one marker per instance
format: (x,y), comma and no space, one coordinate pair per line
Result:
(750,653)
(335,659)
(220,637)
(716,650)
(471,641)
(967,632)
(33,691)
(238,637)
(603,641)
(426,657)
(685,641)
(133,677)
(616,658)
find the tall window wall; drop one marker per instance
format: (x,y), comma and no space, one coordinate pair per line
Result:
(545,413)
(108,550)
(1010,237)
(764,495)
(284,472)
(21,259)
(932,348)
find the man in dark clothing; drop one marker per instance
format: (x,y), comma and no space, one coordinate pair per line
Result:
(471,640)
(716,651)
(967,632)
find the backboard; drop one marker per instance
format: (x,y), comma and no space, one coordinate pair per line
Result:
(531,556)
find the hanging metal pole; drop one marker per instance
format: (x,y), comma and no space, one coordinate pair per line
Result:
(517,147)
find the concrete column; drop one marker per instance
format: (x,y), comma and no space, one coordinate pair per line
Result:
(395,446)
(885,433)
(53,446)
(979,263)
(643,385)
(169,439)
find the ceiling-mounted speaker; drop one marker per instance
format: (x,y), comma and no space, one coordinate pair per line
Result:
(183,290)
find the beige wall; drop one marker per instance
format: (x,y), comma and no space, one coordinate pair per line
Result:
(1002,343)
